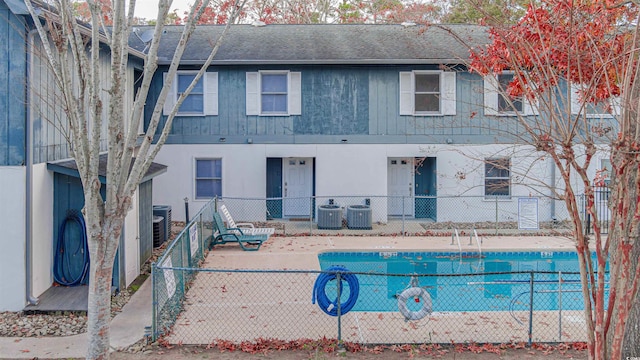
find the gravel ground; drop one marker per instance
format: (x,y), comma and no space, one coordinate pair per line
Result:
(64,323)
(21,324)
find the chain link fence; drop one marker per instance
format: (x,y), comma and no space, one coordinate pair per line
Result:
(398,215)
(472,301)
(246,305)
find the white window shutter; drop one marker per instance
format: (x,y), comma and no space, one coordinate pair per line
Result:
(171,96)
(295,93)
(210,93)
(575,99)
(530,107)
(616,106)
(448,99)
(253,93)
(491,95)
(406,93)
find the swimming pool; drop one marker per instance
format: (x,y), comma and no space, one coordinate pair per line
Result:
(495,281)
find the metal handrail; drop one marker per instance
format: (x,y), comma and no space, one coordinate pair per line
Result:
(478,241)
(458,239)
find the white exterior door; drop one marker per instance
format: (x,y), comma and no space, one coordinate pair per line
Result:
(400,186)
(297,185)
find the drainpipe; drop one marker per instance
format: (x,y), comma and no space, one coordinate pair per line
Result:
(31,300)
(552,171)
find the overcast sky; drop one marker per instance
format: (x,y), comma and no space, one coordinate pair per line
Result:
(148,9)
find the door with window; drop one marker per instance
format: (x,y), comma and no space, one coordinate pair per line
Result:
(297,186)
(400,186)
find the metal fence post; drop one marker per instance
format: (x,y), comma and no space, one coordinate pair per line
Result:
(154,302)
(183,279)
(200,237)
(531,309)
(402,215)
(311,215)
(559,305)
(339,285)
(496,214)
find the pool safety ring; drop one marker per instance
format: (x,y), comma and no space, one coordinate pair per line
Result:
(419,295)
(320,293)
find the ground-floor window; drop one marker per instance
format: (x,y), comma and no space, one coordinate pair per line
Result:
(208,178)
(497,177)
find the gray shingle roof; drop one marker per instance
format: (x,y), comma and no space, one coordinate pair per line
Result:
(325,44)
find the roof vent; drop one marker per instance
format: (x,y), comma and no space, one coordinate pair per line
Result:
(258,23)
(408,24)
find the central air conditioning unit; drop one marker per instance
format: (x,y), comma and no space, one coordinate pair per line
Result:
(159,236)
(165,212)
(329,217)
(359,217)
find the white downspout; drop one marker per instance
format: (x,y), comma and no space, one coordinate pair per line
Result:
(31,300)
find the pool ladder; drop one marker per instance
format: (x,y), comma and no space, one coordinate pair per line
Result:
(455,237)
(478,240)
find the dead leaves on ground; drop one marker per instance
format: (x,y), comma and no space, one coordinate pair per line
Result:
(326,345)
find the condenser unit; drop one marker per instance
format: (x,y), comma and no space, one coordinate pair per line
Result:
(159,236)
(329,217)
(165,212)
(359,217)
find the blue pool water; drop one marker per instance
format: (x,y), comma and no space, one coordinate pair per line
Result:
(457,282)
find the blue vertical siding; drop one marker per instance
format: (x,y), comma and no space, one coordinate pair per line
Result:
(12,88)
(334,102)
(337,101)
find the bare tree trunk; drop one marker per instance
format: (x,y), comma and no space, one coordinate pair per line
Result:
(631,341)
(99,307)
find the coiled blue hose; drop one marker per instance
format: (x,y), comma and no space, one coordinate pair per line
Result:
(320,294)
(62,273)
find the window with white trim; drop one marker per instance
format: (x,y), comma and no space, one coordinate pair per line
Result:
(427,92)
(208,178)
(274,93)
(506,102)
(497,177)
(203,98)
(605,109)
(497,100)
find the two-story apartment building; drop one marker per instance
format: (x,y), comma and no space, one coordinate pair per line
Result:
(294,111)
(285,112)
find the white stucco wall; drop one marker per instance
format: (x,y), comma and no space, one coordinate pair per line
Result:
(42,229)
(361,170)
(12,240)
(132,242)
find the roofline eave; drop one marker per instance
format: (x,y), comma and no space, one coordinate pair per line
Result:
(322,62)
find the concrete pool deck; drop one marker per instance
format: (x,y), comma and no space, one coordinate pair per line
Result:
(239,306)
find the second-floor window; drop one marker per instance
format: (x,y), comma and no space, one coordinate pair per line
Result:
(203,98)
(497,100)
(427,92)
(274,89)
(194,102)
(606,109)
(274,93)
(497,177)
(506,102)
